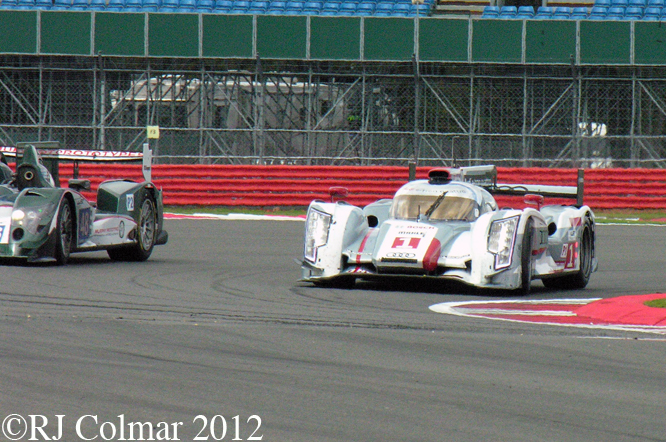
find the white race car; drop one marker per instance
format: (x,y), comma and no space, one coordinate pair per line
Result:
(450,227)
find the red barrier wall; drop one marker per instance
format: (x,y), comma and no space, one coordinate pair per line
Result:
(298,185)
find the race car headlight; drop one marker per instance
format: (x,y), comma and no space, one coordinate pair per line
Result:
(501,240)
(30,218)
(316,233)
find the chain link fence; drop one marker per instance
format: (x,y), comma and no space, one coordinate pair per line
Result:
(262,111)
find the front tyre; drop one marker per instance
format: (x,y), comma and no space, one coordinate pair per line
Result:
(146,236)
(64,232)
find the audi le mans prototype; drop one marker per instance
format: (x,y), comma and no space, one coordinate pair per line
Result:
(41,222)
(450,227)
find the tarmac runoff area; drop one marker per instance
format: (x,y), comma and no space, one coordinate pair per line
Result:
(622,312)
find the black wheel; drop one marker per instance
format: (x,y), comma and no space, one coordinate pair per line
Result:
(146,234)
(64,232)
(526,259)
(579,279)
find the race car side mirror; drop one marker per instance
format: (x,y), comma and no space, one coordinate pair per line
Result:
(533,200)
(79,185)
(338,192)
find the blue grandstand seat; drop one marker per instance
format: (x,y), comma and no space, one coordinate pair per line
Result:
(311,7)
(168,6)
(526,11)
(115,5)
(508,11)
(186,6)
(80,5)
(384,8)
(490,12)
(544,11)
(602,3)
(223,6)
(615,11)
(151,5)
(25,4)
(347,8)
(422,10)
(60,5)
(276,7)
(638,3)
(240,7)
(258,7)
(562,13)
(657,3)
(579,13)
(652,11)
(622,3)
(599,10)
(401,9)
(330,8)
(205,5)
(97,5)
(8,4)
(365,8)
(294,7)
(44,5)
(633,12)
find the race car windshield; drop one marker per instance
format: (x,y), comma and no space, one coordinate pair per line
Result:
(449,208)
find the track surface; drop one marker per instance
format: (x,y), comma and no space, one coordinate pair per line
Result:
(215,323)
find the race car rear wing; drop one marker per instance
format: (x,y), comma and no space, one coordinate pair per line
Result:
(51,154)
(486,177)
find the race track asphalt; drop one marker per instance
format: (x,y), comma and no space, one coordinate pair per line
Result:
(215,325)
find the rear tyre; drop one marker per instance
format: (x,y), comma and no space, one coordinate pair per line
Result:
(64,233)
(526,259)
(146,235)
(579,279)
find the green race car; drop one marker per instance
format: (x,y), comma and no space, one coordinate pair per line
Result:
(42,222)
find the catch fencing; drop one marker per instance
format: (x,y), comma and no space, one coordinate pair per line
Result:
(297,186)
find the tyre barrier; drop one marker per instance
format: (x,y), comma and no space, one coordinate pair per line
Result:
(280,185)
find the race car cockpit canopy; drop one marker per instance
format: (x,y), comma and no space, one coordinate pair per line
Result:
(452,202)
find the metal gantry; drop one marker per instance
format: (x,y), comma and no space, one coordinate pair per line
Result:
(268,111)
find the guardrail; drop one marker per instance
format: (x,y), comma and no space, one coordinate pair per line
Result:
(276,185)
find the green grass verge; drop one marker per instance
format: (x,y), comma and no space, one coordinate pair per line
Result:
(661,303)
(630,216)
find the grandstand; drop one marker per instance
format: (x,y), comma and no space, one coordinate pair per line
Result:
(359,8)
(649,10)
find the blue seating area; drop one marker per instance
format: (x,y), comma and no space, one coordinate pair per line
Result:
(376,8)
(654,10)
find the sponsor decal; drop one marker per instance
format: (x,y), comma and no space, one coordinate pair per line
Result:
(107,231)
(2,234)
(406,241)
(403,242)
(400,255)
(130,202)
(80,154)
(121,229)
(85,223)
(570,254)
(576,222)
